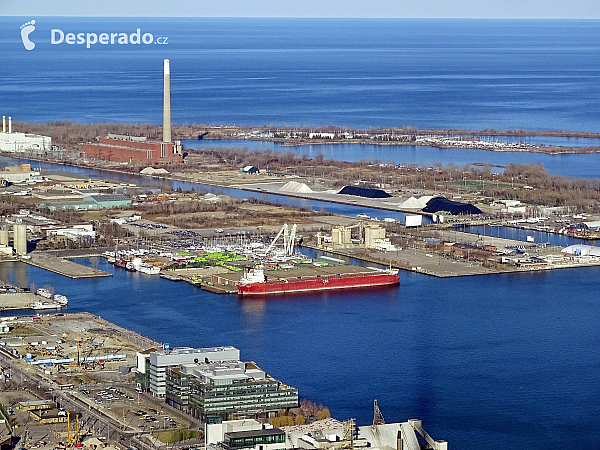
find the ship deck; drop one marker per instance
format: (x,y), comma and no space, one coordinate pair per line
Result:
(304,271)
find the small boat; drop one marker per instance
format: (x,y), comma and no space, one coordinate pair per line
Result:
(149,269)
(45,305)
(44,293)
(60,299)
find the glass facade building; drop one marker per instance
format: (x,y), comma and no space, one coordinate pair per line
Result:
(221,393)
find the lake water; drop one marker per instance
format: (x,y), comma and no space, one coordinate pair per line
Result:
(467,74)
(575,165)
(517,234)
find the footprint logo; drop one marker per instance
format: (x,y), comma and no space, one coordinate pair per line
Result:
(26,30)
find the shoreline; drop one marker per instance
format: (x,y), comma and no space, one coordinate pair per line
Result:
(327,134)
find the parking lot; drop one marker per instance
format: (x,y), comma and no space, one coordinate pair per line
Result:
(130,407)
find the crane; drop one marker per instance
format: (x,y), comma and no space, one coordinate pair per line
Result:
(349,427)
(72,439)
(377,416)
(288,239)
(78,340)
(289,249)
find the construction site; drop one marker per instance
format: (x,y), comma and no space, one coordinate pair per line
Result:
(67,381)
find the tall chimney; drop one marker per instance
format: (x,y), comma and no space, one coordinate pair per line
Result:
(4,124)
(9,124)
(167,103)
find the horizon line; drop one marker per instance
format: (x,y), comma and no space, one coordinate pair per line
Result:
(313,17)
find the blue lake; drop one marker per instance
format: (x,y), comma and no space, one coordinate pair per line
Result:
(579,165)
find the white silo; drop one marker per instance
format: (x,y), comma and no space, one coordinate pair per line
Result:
(20,239)
(3,237)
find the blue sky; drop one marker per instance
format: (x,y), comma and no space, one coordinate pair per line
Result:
(542,9)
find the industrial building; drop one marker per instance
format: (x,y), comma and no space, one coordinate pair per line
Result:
(96,201)
(20,239)
(20,174)
(22,143)
(77,233)
(218,432)
(5,249)
(370,236)
(217,391)
(130,151)
(335,435)
(251,170)
(138,149)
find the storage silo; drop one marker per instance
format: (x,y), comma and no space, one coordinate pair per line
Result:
(20,239)
(3,237)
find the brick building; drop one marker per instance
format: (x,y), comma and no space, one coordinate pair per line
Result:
(133,150)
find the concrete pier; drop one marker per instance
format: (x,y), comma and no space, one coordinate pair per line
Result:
(19,300)
(64,267)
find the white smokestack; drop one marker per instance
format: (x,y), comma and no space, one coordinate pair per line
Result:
(9,124)
(4,124)
(167,102)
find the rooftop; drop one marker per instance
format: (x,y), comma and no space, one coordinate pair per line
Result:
(190,350)
(252,433)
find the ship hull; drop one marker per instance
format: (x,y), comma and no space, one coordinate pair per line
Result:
(318,284)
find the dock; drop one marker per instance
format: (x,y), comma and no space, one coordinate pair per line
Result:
(17,300)
(414,260)
(63,266)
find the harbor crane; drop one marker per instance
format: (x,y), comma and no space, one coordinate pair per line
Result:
(289,237)
(377,416)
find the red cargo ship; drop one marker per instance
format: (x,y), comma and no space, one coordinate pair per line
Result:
(255,282)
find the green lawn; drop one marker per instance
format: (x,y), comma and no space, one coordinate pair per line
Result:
(20,330)
(170,437)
